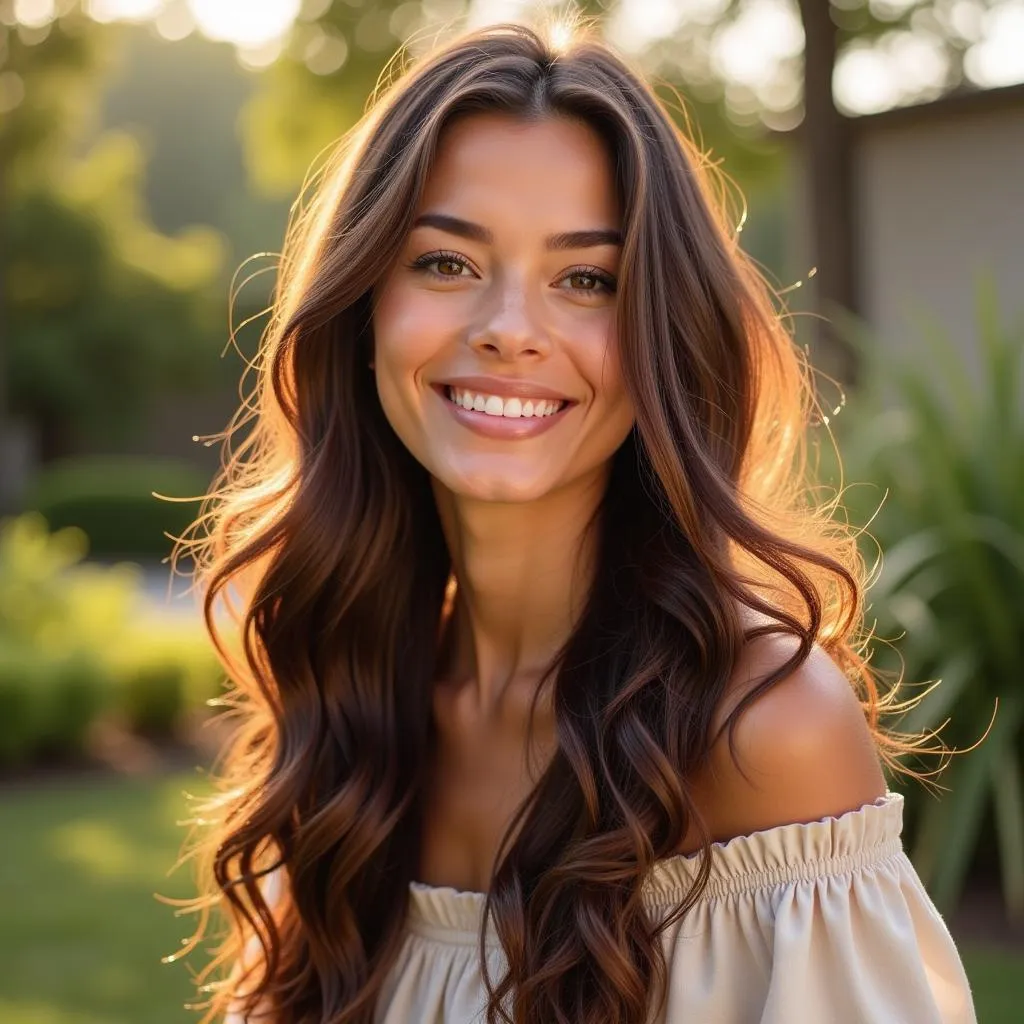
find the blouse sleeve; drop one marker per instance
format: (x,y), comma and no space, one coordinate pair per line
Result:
(820,922)
(272,888)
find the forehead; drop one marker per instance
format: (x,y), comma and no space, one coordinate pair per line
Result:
(494,167)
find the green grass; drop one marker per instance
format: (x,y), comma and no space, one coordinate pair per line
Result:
(81,935)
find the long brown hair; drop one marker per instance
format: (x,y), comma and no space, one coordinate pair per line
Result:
(325,528)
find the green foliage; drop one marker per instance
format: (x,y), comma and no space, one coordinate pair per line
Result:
(693,50)
(73,648)
(944,438)
(74,694)
(111,499)
(19,712)
(55,618)
(152,698)
(99,311)
(48,76)
(104,312)
(160,674)
(47,704)
(48,601)
(333,62)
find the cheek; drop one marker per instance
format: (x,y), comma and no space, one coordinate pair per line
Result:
(400,326)
(409,332)
(602,366)
(612,399)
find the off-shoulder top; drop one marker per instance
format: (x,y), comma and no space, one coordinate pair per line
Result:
(820,923)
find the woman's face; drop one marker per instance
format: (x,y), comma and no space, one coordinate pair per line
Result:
(494,331)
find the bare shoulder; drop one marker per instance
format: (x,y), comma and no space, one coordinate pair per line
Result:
(803,749)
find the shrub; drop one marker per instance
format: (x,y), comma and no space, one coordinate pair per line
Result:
(945,442)
(73,692)
(151,698)
(111,498)
(73,647)
(47,704)
(161,671)
(20,711)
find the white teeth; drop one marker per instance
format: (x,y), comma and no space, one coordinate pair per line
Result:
(495,405)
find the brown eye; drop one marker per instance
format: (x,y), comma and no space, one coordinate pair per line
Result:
(591,281)
(431,264)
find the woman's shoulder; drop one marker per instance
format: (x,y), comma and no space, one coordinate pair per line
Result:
(801,751)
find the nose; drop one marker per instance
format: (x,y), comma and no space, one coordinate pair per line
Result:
(510,330)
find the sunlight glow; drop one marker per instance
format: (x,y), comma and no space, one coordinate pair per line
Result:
(749,50)
(248,24)
(251,24)
(999,58)
(175,22)
(660,18)
(756,53)
(863,81)
(560,36)
(487,12)
(123,10)
(34,13)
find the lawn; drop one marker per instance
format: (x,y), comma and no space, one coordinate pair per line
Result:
(81,935)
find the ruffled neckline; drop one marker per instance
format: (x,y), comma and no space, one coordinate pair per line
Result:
(801,851)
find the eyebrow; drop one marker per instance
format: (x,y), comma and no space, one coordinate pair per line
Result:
(478,233)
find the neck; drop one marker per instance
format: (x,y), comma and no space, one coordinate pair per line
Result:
(523,572)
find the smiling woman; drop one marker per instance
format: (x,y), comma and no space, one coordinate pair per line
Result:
(531,305)
(552,707)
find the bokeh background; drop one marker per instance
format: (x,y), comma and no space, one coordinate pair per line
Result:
(149,154)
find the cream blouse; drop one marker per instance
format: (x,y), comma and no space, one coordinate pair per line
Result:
(821,923)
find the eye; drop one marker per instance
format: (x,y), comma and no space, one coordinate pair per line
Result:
(595,281)
(431,263)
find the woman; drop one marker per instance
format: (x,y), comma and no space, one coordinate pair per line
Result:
(551,709)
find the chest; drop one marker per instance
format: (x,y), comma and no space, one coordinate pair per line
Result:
(478,778)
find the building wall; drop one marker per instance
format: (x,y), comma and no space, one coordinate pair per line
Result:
(940,200)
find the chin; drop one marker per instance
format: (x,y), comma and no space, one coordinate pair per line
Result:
(488,485)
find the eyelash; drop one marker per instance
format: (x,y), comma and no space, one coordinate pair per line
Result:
(424,262)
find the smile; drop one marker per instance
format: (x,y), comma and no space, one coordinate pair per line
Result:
(496,405)
(503,417)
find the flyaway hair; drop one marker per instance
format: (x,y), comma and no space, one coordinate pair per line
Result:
(323,537)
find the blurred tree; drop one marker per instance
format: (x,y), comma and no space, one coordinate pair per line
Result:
(98,311)
(339,50)
(182,100)
(807,48)
(43,71)
(105,312)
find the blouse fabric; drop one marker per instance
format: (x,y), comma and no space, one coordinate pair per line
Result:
(823,923)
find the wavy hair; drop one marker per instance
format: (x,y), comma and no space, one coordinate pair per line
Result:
(322,536)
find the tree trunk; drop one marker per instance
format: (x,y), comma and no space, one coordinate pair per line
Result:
(826,145)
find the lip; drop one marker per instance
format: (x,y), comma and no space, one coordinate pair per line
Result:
(501,427)
(504,387)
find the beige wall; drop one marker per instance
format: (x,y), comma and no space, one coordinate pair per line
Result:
(940,199)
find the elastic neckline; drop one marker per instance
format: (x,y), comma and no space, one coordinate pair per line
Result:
(781,855)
